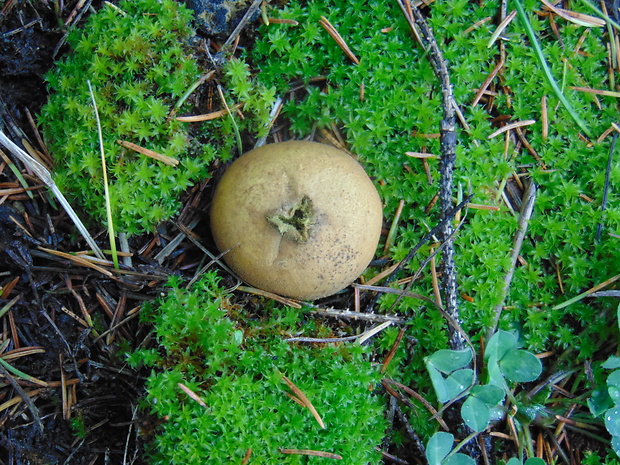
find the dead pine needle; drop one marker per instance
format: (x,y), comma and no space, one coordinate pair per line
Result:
(195,397)
(393,350)
(232,119)
(306,402)
(487,82)
(315,453)
(500,29)
(106,190)
(511,126)
(207,116)
(331,30)
(149,153)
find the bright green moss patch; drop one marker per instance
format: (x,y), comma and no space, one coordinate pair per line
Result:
(389,104)
(237,370)
(138,60)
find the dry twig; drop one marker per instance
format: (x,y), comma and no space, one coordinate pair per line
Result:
(448,142)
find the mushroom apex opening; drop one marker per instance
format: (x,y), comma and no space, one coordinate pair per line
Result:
(294,222)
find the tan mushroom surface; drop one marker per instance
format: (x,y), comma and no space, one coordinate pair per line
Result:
(299,219)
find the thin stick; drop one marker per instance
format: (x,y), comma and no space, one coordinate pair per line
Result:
(24,396)
(524,218)
(108,205)
(350,315)
(446,168)
(244,21)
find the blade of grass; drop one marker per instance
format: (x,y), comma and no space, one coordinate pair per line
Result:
(587,293)
(108,206)
(17,173)
(232,120)
(20,374)
(543,63)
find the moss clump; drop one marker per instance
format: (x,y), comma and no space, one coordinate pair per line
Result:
(389,104)
(237,371)
(139,63)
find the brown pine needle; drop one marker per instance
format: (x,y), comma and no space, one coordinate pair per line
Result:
(577,298)
(74,316)
(477,206)
(315,453)
(511,126)
(393,350)
(331,30)
(301,396)
(22,352)
(78,260)
(295,399)
(246,458)
(149,153)
(208,116)
(606,93)
(270,295)
(580,19)
(16,400)
(282,21)
(500,28)
(192,394)
(422,155)
(487,82)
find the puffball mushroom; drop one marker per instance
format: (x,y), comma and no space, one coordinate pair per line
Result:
(298,219)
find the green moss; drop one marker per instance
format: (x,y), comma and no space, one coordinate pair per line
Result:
(235,363)
(138,59)
(400,111)
(401,107)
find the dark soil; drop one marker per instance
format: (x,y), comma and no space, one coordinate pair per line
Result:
(63,325)
(67,326)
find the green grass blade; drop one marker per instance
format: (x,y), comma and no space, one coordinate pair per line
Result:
(543,63)
(20,374)
(108,206)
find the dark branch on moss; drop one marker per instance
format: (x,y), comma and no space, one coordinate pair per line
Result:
(448,142)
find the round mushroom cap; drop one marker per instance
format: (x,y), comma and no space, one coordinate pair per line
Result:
(298,219)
